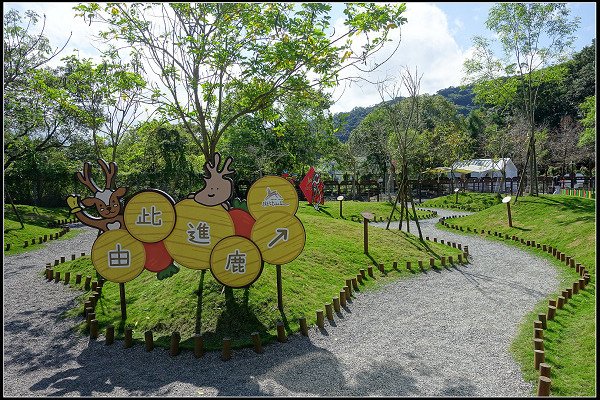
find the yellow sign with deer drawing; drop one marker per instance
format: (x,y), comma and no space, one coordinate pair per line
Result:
(272,193)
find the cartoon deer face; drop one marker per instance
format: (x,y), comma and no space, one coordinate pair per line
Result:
(107,201)
(218,188)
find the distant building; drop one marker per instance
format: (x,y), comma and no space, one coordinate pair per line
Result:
(485,167)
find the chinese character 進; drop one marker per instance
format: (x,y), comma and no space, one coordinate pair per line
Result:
(236,262)
(199,234)
(153,214)
(118,258)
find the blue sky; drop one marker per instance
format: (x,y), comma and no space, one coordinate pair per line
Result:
(436,40)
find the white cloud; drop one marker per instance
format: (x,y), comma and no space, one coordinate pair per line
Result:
(426,43)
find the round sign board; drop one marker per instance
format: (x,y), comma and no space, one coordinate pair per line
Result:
(340,198)
(118,256)
(367,215)
(506,199)
(236,262)
(279,236)
(272,193)
(150,216)
(198,229)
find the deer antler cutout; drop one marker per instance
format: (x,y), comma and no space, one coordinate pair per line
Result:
(85,177)
(110,170)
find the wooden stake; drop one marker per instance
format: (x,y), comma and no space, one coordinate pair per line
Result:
(320,319)
(370,271)
(57,277)
(354,284)
(67,277)
(538,333)
(149,340)
(226,354)
(538,344)
(542,317)
(342,298)
(128,342)
(303,326)
(174,348)
(359,278)
(110,334)
(256,342)
(281,333)
(88,281)
(545,370)
(349,286)
(560,302)
(329,311)
(575,287)
(362,273)
(198,345)
(94,329)
(544,386)
(347,293)
(336,304)
(538,358)
(538,324)
(551,312)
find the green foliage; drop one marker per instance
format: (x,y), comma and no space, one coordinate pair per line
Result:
(235,59)
(588,135)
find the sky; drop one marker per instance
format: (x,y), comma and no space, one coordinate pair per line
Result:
(436,40)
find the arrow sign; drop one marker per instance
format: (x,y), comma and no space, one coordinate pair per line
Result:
(281,234)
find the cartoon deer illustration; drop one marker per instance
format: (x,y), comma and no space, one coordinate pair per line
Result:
(106,201)
(218,188)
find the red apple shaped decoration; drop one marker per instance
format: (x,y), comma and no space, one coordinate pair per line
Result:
(157,256)
(242,222)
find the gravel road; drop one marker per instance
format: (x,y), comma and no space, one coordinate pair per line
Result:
(444,333)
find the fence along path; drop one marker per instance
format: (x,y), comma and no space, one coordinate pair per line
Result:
(442,333)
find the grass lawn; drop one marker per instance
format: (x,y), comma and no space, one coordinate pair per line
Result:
(36,221)
(468,201)
(333,253)
(351,210)
(568,224)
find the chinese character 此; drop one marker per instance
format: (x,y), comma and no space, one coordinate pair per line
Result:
(236,262)
(153,214)
(118,258)
(199,234)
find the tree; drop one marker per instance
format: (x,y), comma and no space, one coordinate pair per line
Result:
(37,112)
(111,93)
(588,134)
(533,36)
(221,61)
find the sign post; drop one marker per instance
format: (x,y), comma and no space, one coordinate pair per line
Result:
(340,199)
(507,201)
(366,217)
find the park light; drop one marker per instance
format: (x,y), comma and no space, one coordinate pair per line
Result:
(456,191)
(340,199)
(507,201)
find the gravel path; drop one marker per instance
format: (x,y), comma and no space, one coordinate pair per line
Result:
(442,333)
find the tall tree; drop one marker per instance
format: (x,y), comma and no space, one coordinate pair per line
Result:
(533,36)
(220,61)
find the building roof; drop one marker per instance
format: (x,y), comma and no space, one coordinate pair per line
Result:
(481,164)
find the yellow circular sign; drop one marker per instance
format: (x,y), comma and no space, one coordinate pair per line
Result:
(236,262)
(279,236)
(197,230)
(150,216)
(272,193)
(118,256)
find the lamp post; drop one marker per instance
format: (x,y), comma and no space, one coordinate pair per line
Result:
(507,201)
(340,199)
(456,191)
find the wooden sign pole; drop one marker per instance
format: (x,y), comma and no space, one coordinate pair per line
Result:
(123,304)
(366,235)
(367,216)
(279,288)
